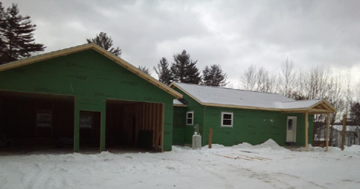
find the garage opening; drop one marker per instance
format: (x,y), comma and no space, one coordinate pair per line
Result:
(31,122)
(134,125)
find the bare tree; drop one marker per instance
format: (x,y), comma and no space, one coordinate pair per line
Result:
(258,80)
(335,95)
(264,81)
(288,76)
(317,80)
(248,79)
(348,92)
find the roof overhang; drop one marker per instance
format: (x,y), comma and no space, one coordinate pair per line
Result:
(321,107)
(98,49)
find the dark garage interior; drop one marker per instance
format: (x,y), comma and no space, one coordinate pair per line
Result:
(30,122)
(131,124)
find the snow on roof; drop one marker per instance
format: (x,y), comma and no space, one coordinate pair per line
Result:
(298,104)
(236,97)
(177,102)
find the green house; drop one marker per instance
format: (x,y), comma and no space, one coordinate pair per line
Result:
(237,116)
(83,97)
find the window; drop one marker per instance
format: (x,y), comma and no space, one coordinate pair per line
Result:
(226,119)
(44,119)
(86,120)
(290,124)
(189,118)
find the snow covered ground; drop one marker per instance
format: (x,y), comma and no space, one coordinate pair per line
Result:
(242,166)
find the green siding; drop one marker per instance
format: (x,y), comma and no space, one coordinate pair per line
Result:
(179,125)
(251,126)
(91,78)
(198,117)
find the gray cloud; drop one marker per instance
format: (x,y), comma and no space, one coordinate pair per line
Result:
(234,34)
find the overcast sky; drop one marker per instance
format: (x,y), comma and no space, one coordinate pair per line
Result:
(234,34)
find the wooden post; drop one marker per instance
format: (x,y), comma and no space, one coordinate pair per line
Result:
(210,137)
(307,131)
(327,131)
(343,133)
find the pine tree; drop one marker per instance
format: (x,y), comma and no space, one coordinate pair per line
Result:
(105,42)
(144,69)
(184,69)
(214,76)
(16,35)
(163,71)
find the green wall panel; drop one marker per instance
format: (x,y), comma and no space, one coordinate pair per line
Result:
(198,117)
(251,126)
(91,78)
(179,125)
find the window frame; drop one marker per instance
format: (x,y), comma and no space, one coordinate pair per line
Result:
(222,119)
(192,119)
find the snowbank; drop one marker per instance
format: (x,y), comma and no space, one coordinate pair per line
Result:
(267,145)
(353,148)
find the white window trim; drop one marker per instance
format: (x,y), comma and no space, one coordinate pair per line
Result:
(192,119)
(222,119)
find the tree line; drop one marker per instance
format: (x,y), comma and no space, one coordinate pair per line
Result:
(183,69)
(314,83)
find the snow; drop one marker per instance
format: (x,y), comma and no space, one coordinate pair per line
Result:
(242,166)
(177,102)
(227,96)
(351,128)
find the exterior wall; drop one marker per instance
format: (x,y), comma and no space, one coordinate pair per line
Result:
(91,78)
(179,125)
(253,126)
(198,117)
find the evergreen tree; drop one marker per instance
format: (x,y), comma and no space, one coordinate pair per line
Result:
(105,42)
(144,69)
(214,76)
(163,71)
(184,69)
(16,35)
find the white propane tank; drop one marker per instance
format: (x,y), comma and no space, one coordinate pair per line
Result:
(196,139)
